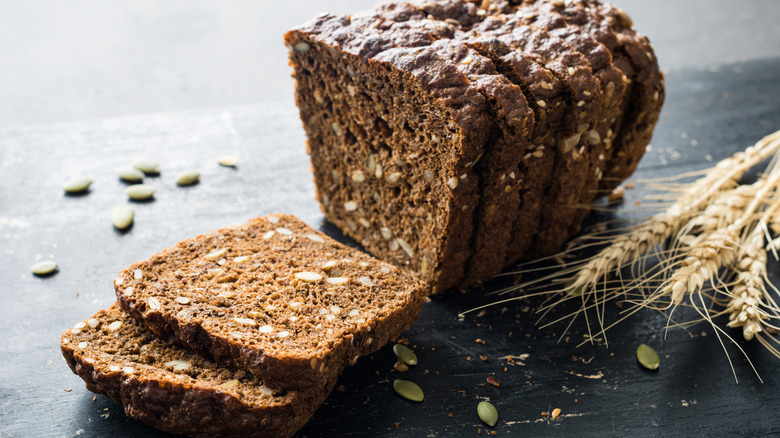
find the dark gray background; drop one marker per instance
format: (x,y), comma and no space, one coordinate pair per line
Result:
(66,60)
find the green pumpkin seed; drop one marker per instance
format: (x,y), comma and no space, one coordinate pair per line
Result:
(44,268)
(404,354)
(77,185)
(487,413)
(122,216)
(228,161)
(130,174)
(188,178)
(408,390)
(140,192)
(147,166)
(647,357)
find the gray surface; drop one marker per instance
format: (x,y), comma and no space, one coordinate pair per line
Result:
(603,395)
(85,59)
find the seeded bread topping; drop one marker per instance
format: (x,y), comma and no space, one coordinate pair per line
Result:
(273,297)
(589,116)
(176,390)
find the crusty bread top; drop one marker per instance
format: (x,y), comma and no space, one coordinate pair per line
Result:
(174,389)
(273,297)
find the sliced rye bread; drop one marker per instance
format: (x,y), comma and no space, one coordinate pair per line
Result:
(614,85)
(585,104)
(273,297)
(510,138)
(403,44)
(393,134)
(176,390)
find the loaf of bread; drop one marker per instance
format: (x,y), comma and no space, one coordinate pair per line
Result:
(176,390)
(273,297)
(458,137)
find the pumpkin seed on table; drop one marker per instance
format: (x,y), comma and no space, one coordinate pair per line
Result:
(44,268)
(122,216)
(140,192)
(408,390)
(406,355)
(130,174)
(188,178)
(228,161)
(487,413)
(147,166)
(647,357)
(77,185)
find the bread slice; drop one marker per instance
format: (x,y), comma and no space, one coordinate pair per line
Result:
(393,132)
(176,390)
(273,297)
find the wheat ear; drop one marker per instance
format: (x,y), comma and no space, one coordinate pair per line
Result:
(749,289)
(718,249)
(652,232)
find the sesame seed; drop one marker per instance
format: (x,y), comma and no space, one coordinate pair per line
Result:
(269,235)
(315,238)
(308,276)
(452,183)
(285,231)
(541,103)
(350,206)
(571,71)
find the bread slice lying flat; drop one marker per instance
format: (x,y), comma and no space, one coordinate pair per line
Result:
(176,390)
(273,297)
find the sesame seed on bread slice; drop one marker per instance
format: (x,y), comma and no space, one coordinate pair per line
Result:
(273,297)
(176,390)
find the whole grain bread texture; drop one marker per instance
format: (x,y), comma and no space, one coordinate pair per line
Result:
(370,88)
(274,298)
(176,390)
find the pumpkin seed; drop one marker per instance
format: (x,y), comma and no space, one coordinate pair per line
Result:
(188,178)
(408,390)
(228,161)
(122,216)
(647,357)
(406,355)
(147,166)
(140,192)
(44,268)
(487,413)
(130,174)
(77,185)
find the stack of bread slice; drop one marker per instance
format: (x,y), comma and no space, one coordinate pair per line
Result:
(459,137)
(240,332)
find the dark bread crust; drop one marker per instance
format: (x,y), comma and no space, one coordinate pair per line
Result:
(129,365)
(599,136)
(634,55)
(241,313)
(439,237)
